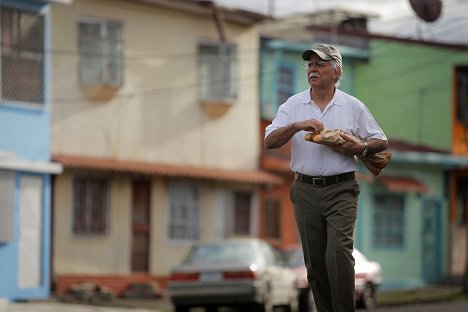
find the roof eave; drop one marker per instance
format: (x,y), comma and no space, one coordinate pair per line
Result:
(205,9)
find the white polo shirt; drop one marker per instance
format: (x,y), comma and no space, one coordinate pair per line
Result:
(344,112)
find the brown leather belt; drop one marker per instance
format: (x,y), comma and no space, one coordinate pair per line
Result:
(324,180)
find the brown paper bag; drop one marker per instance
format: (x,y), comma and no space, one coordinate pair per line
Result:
(373,162)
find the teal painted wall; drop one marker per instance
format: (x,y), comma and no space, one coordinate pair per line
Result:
(408,89)
(403,267)
(271,59)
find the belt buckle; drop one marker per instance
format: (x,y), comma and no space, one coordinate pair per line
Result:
(318,182)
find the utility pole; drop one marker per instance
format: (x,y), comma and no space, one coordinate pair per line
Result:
(271,7)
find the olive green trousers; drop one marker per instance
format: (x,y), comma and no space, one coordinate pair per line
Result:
(325,217)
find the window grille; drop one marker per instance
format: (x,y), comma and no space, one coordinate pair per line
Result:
(184,211)
(101,52)
(461,73)
(90,206)
(22,56)
(7,193)
(217,71)
(285,84)
(271,218)
(242,210)
(389,215)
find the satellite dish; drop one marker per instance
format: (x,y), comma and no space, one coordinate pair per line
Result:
(427,10)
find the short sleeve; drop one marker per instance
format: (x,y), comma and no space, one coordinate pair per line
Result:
(367,126)
(281,120)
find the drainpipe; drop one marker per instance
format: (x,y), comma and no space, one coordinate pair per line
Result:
(217,17)
(219,21)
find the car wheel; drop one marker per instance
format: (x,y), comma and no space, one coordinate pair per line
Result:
(368,298)
(181,308)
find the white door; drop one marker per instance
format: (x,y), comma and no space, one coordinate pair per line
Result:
(30,229)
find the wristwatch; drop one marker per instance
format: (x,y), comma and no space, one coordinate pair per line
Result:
(366,149)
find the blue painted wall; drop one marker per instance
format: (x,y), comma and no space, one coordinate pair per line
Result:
(25,129)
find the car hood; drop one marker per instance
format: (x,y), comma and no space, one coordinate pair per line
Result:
(217,266)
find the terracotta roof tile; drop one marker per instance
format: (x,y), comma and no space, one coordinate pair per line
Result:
(403,184)
(404,146)
(107,164)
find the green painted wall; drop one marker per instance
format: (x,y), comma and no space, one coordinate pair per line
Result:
(408,89)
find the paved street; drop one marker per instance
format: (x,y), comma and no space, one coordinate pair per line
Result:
(461,306)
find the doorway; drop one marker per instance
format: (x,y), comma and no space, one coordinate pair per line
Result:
(141,191)
(431,240)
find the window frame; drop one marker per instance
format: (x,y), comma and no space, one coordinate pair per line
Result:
(105,44)
(267,216)
(206,91)
(237,208)
(195,224)
(106,198)
(7,194)
(375,228)
(31,9)
(291,88)
(461,92)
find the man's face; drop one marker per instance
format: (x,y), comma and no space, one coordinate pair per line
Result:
(320,73)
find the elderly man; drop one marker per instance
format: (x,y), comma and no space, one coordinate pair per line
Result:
(325,192)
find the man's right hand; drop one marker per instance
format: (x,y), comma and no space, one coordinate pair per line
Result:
(281,136)
(311,125)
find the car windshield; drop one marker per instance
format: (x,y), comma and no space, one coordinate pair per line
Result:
(225,252)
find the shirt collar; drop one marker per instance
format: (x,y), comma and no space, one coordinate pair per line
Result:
(306,99)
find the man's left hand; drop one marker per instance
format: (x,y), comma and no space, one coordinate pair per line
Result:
(349,147)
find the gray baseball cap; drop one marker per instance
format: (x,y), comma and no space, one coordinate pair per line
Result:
(326,52)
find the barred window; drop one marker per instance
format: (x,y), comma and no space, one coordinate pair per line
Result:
(90,206)
(389,214)
(461,76)
(271,218)
(285,84)
(184,211)
(242,210)
(22,56)
(101,52)
(217,71)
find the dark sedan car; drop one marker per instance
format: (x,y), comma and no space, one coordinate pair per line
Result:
(248,274)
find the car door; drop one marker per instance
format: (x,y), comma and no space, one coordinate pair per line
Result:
(280,280)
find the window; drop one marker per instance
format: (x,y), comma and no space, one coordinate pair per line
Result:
(217,71)
(285,84)
(271,218)
(101,52)
(184,211)
(90,206)
(388,220)
(462,94)
(242,213)
(22,56)
(462,201)
(7,193)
